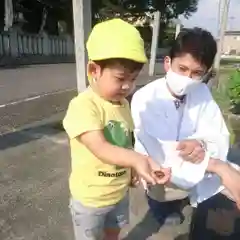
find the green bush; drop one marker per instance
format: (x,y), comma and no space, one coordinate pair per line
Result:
(221,97)
(232,134)
(222,100)
(233,91)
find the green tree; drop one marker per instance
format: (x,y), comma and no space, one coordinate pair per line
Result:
(133,10)
(169,8)
(56,10)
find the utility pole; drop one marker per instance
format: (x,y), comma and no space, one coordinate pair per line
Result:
(178,28)
(8,14)
(219,17)
(154,45)
(82,13)
(223,25)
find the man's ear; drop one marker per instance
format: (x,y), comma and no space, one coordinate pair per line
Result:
(209,75)
(167,63)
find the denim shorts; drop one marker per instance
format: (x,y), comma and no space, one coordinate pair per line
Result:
(89,222)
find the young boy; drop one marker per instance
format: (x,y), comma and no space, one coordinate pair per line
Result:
(179,108)
(99,125)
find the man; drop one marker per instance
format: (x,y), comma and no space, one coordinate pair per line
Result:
(178,112)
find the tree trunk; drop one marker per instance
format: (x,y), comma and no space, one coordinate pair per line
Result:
(44,20)
(8,18)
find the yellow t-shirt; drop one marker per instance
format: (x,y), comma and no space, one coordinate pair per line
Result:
(93,182)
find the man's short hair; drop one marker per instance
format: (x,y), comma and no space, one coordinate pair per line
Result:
(197,42)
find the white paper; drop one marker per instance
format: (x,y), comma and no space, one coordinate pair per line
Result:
(185,174)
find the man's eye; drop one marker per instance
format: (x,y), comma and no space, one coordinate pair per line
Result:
(197,75)
(182,69)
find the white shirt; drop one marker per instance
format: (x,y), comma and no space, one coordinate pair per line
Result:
(156,120)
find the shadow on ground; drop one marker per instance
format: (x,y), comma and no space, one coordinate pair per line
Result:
(34,193)
(234,155)
(149,225)
(182,237)
(17,138)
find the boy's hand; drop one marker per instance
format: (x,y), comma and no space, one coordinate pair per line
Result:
(162,175)
(153,174)
(135,180)
(143,168)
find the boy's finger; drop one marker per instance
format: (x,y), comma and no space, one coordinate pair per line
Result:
(166,170)
(159,174)
(135,179)
(135,182)
(163,180)
(238,205)
(149,179)
(153,164)
(162,177)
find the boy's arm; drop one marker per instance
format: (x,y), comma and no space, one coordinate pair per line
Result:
(110,154)
(82,122)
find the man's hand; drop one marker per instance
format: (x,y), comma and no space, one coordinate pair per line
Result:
(191,150)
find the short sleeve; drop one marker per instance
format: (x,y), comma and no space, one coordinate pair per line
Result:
(82,116)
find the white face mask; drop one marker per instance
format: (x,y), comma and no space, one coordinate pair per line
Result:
(181,85)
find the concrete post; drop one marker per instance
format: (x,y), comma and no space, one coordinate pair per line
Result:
(13,43)
(154,45)
(82,26)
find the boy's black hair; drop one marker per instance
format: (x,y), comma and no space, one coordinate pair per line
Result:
(131,65)
(197,42)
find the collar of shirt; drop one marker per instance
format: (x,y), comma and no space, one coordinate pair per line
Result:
(177,102)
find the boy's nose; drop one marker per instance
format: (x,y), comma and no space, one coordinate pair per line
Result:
(126,86)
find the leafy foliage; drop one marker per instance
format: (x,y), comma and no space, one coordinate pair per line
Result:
(222,99)
(234,91)
(61,10)
(133,10)
(169,8)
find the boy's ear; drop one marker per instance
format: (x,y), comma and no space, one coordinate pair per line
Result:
(167,63)
(93,69)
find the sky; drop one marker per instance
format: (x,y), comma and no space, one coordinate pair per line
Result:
(207,16)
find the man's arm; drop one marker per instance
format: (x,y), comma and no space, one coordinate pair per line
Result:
(221,176)
(211,128)
(147,129)
(230,177)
